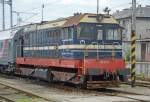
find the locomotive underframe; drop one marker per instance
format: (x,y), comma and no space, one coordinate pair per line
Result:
(78,72)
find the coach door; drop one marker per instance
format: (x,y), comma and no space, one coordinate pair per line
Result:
(20,47)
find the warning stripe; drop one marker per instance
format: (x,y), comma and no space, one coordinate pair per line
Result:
(133,57)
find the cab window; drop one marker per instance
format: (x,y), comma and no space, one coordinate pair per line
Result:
(67,33)
(99,34)
(113,34)
(86,32)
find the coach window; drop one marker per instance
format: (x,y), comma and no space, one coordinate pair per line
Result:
(10,44)
(1,45)
(113,34)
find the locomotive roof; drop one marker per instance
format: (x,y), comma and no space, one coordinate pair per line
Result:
(88,18)
(70,21)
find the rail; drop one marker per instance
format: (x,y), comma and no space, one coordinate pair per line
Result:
(101,92)
(19,93)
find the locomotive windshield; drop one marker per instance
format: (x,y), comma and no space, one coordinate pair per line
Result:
(113,34)
(94,32)
(86,31)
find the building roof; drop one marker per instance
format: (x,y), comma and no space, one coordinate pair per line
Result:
(141,12)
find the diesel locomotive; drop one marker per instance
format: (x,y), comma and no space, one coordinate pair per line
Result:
(84,49)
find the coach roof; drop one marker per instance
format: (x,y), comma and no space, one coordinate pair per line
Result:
(7,34)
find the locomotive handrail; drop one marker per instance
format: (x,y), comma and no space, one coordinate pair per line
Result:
(86,51)
(117,44)
(97,49)
(93,43)
(114,47)
(113,51)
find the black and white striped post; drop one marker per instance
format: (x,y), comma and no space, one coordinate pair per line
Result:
(133,58)
(133,44)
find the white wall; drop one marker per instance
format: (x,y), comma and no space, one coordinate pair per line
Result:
(143,28)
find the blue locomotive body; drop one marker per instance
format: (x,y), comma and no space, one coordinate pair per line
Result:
(70,43)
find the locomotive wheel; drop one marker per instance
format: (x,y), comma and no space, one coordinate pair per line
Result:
(81,86)
(50,79)
(83,83)
(50,76)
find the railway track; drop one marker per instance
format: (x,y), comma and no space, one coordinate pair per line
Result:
(140,82)
(97,92)
(63,87)
(102,92)
(12,94)
(144,82)
(4,99)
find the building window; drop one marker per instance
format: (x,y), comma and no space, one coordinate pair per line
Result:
(143,51)
(148,30)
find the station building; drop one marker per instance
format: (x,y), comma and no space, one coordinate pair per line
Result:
(142,36)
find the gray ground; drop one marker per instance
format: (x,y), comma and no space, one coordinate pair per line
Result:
(59,95)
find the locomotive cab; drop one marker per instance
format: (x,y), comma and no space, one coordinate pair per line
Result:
(102,54)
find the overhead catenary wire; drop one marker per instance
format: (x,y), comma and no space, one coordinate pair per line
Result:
(55,2)
(29,11)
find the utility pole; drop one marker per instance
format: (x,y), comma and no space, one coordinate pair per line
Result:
(42,11)
(11,14)
(3,14)
(9,2)
(18,14)
(133,44)
(18,17)
(97,7)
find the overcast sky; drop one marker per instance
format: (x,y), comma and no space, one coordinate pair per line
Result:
(62,8)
